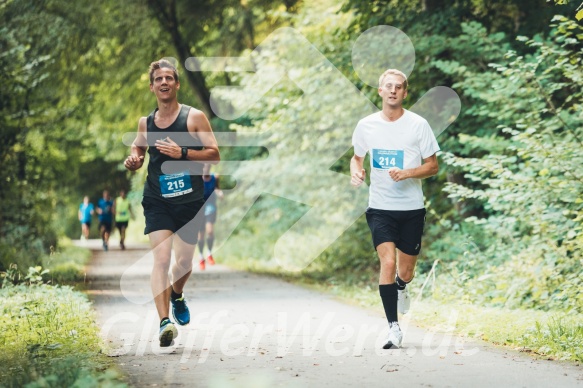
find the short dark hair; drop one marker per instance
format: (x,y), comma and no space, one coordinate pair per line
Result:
(160,64)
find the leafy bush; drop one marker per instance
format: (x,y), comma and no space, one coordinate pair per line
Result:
(531,188)
(49,338)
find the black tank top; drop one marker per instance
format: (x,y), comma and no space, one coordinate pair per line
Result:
(173,187)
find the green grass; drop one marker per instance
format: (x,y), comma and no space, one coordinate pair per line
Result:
(561,336)
(546,333)
(66,265)
(49,338)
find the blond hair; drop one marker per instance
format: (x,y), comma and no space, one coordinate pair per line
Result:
(394,72)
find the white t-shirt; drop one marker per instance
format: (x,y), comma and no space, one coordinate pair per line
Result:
(404,144)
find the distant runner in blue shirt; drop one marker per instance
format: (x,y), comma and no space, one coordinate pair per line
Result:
(105,214)
(85,213)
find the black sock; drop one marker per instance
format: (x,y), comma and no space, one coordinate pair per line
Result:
(163,320)
(388,294)
(201,245)
(401,283)
(209,243)
(174,295)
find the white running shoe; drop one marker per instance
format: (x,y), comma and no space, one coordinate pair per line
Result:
(403,301)
(395,337)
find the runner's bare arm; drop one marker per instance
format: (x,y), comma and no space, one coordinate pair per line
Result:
(139,147)
(199,124)
(429,168)
(357,171)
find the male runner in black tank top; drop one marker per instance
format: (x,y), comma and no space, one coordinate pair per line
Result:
(171,200)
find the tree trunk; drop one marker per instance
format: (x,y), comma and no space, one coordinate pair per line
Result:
(165,13)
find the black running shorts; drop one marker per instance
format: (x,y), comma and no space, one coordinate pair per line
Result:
(105,225)
(121,224)
(178,218)
(403,227)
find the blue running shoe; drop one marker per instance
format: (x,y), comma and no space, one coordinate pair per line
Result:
(180,311)
(167,333)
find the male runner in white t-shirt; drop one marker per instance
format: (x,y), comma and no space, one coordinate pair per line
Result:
(402,151)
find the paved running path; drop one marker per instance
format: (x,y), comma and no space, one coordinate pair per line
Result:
(253,331)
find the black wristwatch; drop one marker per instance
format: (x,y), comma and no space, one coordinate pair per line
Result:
(184,153)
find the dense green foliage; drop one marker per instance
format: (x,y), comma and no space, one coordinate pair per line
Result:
(528,178)
(49,338)
(53,59)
